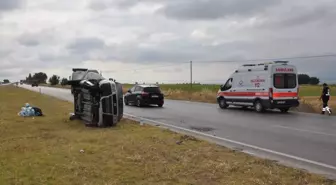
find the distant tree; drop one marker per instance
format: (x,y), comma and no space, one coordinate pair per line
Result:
(303,79)
(64,81)
(54,80)
(40,77)
(314,81)
(6,81)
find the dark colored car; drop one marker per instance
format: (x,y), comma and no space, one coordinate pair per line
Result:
(34,84)
(141,95)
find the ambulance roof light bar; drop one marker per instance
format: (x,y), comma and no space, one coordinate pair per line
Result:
(280,62)
(245,65)
(79,69)
(265,64)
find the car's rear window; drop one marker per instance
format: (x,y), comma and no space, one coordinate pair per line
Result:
(93,76)
(285,81)
(152,90)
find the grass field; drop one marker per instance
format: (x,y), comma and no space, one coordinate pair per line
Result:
(309,94)
(46,150)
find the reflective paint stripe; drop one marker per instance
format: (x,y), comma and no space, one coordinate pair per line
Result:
(259,94)
(243,94)
(284,94)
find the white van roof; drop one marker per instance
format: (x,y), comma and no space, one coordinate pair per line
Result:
(259,67)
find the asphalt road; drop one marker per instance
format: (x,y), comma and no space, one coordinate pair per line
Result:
(297,139)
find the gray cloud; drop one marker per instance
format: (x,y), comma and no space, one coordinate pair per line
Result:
(99,5)
(5,53)
(230,31)
(7,5)
(28,41)
(322,14)
(84,45)
(213,9)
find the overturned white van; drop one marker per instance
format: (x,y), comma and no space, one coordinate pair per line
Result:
(262,86)
(97,101)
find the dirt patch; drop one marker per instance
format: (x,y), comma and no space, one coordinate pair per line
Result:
(316,104)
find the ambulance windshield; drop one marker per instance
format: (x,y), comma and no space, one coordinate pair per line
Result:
(284,81)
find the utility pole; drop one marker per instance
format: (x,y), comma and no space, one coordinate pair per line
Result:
(191,80)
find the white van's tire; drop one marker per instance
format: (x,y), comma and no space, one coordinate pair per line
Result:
(258,107)
(222,103)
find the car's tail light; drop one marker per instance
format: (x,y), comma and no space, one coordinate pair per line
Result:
(271,93)
(144,94)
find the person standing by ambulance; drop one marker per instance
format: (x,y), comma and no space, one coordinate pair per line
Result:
(325,96)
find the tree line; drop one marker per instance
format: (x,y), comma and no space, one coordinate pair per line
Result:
(42,78)
(5,81)
(305,79)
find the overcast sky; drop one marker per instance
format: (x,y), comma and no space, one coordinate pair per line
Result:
(159,37)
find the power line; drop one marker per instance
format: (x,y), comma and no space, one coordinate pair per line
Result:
(268,59)
(145,68)
(226,61)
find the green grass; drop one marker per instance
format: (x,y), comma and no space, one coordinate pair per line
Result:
(46,150)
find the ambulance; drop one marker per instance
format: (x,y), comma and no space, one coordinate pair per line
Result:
(263,86)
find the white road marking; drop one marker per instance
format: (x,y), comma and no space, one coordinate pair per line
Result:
(241,143)
(304,130)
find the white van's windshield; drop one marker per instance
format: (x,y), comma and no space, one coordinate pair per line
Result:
(284,81)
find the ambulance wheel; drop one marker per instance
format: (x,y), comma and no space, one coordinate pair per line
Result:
(222,103)
(258,107)
(284,110)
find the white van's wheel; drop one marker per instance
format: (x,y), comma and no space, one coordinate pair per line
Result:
(222,103)
(284,110)
(258,106)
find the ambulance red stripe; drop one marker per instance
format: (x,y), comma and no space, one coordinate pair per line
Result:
(259,94)
(284,94)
